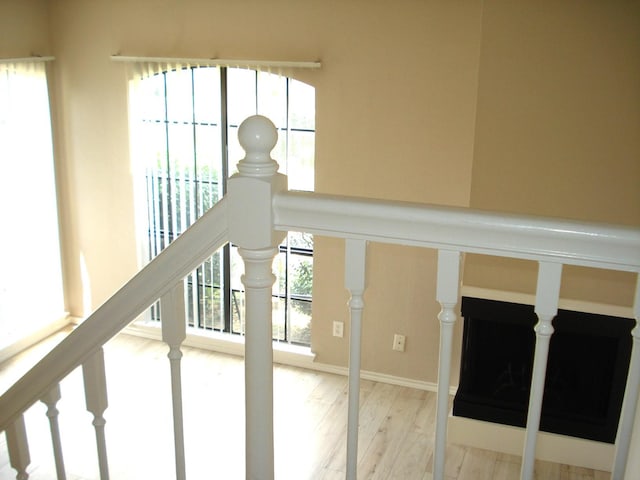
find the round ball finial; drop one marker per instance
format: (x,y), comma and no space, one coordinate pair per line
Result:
(257,134)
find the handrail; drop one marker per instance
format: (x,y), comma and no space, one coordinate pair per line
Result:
(453,231)
(461,229)
(176,261)
(440,227)
(257,204)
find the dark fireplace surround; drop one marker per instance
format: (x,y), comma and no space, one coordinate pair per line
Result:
(586,371)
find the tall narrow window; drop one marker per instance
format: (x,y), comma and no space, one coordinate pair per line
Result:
(186,138)
(31,293)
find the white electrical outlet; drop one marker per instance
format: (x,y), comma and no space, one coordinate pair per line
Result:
(398,342)
(338,329)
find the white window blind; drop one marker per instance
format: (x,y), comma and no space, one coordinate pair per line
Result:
(31,290)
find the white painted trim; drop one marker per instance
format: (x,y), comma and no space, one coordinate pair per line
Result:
(564,303)
(34,337)
(292,355)
(380,377)
(34,59)
(219,62)
(460,229)
(550,447)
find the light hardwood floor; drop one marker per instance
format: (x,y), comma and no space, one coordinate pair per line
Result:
(396,424)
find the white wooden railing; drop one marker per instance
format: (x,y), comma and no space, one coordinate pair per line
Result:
(254,215)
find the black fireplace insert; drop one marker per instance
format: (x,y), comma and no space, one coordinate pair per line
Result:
(586,371)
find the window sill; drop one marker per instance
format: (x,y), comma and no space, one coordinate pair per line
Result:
(283,353)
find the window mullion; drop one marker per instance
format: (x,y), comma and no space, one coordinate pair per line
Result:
(225,288)
(198,277)
(287,289)
(166,198)
(153,201)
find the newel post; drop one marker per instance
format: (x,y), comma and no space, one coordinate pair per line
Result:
(250,194)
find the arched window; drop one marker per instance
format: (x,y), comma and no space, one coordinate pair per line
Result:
(186,146)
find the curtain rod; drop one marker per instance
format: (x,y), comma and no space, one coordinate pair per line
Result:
(27,59)
(219,62)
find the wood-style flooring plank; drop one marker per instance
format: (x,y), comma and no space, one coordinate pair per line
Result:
(310,417)
(387,444)
(478,464)
(506,470)
(374,407)
(413,457)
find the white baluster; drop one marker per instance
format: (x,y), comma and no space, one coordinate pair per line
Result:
(95,390)
(355,266)
(447,292)
(18,448)
(629,405)
(174,331)
(258,282)
(547,296)
(250,194)
(50,400)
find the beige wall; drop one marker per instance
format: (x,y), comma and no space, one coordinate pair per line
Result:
(558,128)
(24,28)
(395,115)
(559,110)
(430,101)
(91,124)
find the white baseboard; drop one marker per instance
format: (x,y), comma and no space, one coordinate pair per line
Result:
(229,344)
(284,354)
(382,378)
(34,337)
(550,447)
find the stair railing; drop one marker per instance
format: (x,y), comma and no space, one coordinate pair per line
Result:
(83,347)
(454,231)
(254,215)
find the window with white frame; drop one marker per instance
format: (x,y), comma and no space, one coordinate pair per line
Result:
(186,143)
